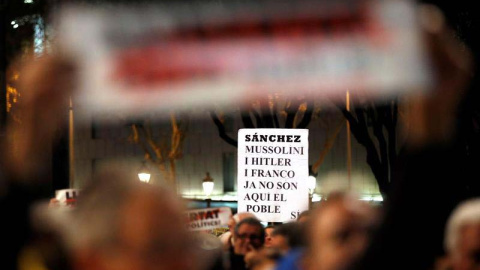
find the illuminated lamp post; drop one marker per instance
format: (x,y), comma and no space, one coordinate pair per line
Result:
(208,184)
(311,184)
(144,173)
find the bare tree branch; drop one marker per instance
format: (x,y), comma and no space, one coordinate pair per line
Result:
(267,117)
(378,119)
(258,118)
(359,129)
(275,116)
(291,108)
(155,147)
(327,146)
(136,140)
(247,120)
(221,130)
(392,119)
(307,115)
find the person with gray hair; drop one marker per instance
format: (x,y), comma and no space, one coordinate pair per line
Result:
(124,224)
(462,236)
(249,234)
(228,237)
(249,237)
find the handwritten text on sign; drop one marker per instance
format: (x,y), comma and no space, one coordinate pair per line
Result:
(272,173)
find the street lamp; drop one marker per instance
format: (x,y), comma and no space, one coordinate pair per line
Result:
(311,184)
(312,180)
(208,184)
(144,173)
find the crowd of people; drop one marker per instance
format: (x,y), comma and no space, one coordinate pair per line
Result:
(123,224)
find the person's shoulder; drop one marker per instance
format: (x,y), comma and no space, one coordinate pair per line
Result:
(292,260)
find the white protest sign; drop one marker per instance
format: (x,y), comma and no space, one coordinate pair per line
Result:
(273,173)
(67,197)
(207,219)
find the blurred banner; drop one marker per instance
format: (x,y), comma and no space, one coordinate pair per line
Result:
(140,59)
(207,219)
(272,173)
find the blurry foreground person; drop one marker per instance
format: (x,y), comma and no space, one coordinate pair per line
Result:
(304,216)
(264,259)
(442,150)
(286,237)
(47,249)
(119,225)
(268,236)
(45,84)
(125,224)
(462,236)
(339,232)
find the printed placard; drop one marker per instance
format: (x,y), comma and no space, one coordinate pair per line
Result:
(67,197)
(273,173)
(207,219)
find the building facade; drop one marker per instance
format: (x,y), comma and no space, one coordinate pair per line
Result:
(100,146)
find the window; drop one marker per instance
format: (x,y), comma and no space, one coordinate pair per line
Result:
(228,162)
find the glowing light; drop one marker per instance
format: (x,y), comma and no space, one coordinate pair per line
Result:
(312,183)
(15,26)
(208,184)
(39,37)
(144,173)
(375,198)
(28,1)
(144,177)
(12,97)
(231,196)
(208,188)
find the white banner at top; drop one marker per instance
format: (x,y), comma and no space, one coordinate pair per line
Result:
(192,55)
